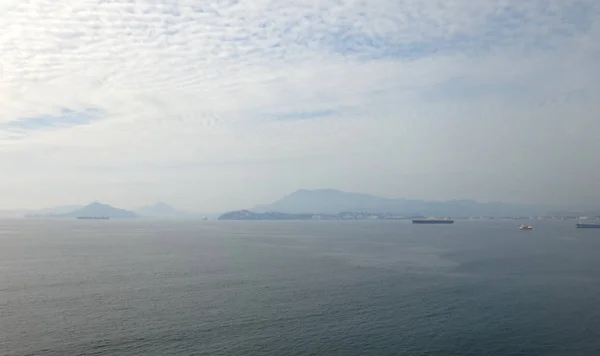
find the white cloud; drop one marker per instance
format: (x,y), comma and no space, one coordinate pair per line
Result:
(190,95)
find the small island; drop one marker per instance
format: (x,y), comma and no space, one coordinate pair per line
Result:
(93,211)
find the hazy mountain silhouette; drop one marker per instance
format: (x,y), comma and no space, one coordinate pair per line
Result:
(331,201)
(99,210)
(161,210)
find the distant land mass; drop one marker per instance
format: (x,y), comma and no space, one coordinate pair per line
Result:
(250,215)
(64,209)
(331,201)
(101,210)
(161,210)
(49,212)
(92,210)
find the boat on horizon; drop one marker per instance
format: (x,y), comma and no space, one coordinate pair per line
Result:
(525,227)
(433,221)
(581,225)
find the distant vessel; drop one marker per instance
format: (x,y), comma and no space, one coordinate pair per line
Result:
(525,227)
(433,221)
(587,226)
(93,217)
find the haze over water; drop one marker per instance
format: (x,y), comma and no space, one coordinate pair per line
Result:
(297,288)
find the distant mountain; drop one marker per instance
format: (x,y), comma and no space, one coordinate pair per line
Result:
(99,210)
(331,201)
(161,210)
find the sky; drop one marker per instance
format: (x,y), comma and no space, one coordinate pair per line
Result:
(222,105)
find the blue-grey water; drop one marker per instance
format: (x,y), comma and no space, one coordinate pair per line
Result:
(298,288)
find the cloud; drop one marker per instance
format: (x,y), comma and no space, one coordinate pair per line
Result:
(305,115)
(184,91)
(66,118)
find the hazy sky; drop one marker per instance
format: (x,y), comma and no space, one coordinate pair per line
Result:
(224,104)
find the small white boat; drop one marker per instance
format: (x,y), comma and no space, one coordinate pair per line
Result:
(525,227)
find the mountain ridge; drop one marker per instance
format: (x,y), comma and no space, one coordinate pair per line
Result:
(332,201)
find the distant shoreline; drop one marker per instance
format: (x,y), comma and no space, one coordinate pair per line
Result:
(250,215)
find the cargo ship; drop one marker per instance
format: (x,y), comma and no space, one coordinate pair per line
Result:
(433,221)
(581,225)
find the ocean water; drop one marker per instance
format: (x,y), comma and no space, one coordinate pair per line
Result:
(298,288)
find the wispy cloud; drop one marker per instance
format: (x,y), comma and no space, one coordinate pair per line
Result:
(65,119)
(465,89)
(305,115)
(372,83)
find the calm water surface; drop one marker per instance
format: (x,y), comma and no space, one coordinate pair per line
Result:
(298,288)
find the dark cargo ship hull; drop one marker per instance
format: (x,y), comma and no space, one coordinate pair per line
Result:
(588,226)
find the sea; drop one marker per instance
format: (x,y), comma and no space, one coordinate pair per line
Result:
(90,287)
